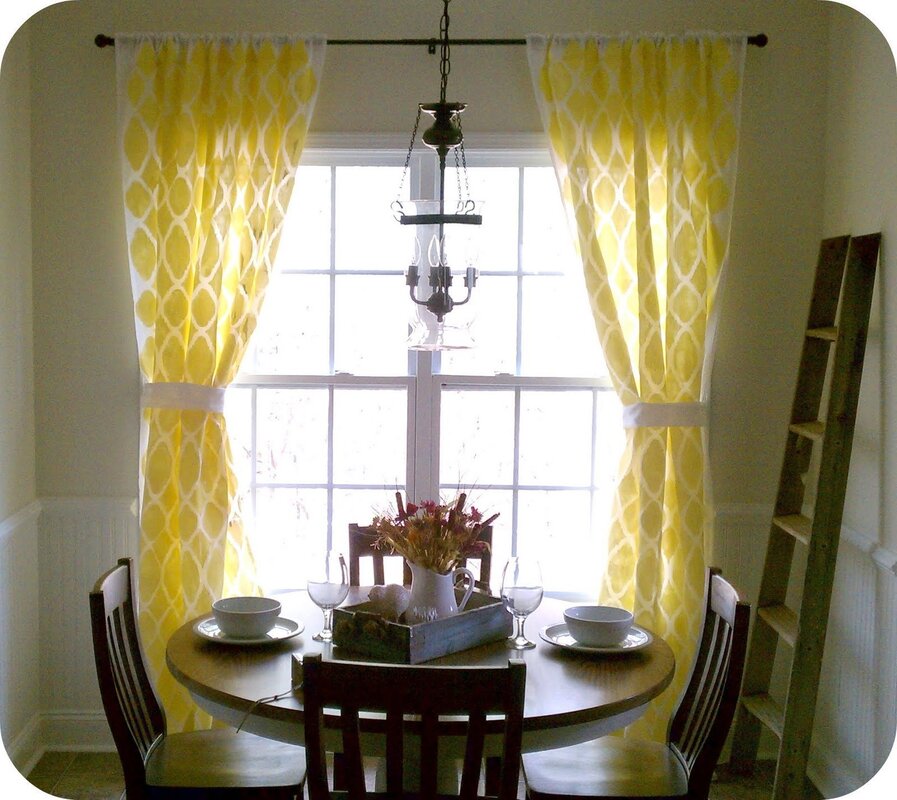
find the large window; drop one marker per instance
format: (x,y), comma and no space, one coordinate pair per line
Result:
(332,413)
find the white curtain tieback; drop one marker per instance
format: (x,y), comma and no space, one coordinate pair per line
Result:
(183,396)
(665,415)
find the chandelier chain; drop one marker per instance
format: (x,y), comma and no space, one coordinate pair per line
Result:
(445,63)
(398,200)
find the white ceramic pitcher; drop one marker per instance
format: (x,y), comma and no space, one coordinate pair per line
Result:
(433,594)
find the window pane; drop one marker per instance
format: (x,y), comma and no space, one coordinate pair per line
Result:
(492,314)
(546,238)
(361,505)
(554,527)
(290,524)
(371,316)
(294,328)
(367,234)
(305,241)
(489,502)
(610,437)
(496,239)
(292,436)
(555,438)
(370,436)
(238,414)
(476,443)
(558,334)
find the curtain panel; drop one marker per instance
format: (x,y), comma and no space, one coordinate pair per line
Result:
(644,133)
(211,131)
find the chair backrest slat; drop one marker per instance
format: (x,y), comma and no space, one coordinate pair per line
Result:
(702,719)
(430,696)
(132,708)
(361,545)
(472,755)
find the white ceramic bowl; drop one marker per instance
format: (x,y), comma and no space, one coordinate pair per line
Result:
(246,617)
(598,626)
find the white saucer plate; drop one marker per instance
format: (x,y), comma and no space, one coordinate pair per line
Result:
(283,629)
(558,635)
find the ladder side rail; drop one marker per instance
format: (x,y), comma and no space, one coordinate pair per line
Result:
(847,372)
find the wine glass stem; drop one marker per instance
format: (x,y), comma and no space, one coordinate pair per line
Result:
(520,642)
(327,630)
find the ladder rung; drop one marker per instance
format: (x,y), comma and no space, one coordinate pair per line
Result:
(797,525)
(764,709)
(781,619)
(829,334)
(811,430)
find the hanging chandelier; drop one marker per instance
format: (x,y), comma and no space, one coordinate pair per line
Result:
(435,226)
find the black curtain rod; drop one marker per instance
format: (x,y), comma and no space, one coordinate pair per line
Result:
(102,40)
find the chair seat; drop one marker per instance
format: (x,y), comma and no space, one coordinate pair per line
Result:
(224,759)
(606,767)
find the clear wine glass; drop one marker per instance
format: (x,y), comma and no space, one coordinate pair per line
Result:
(521,592)
(328,586)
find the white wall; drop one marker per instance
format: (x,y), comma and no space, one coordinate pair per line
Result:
(86,376)
(19,675)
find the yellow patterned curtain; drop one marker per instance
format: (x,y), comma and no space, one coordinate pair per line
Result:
(211,133)
(644,137)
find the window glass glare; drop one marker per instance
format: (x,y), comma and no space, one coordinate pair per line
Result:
(372,313)
(361,506)
(546,239)
(610,438)
(495,241)
(305,240)
(370,436)
(476,437)
(558,336)
(553,451)
(293,334)
(238,413)
(492,316)
(292,435)
(491,501)
(290,524)
(555,528)
(367,234)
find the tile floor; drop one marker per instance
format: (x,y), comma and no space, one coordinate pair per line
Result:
(97,776)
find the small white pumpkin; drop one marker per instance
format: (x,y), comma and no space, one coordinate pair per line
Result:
(389,601)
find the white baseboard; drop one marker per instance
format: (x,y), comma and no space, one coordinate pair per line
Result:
(76,730)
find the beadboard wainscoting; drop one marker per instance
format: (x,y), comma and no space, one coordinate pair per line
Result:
(80,538)
(20,699)
(856,711)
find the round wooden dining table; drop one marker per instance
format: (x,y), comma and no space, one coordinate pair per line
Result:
(571,696)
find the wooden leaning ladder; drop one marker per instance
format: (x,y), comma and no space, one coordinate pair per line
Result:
(845,275)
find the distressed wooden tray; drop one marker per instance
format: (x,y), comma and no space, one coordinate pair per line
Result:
(357,630)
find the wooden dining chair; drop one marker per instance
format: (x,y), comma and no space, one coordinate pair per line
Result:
(468,694)
(362,541)
(683,765)
(198,764)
